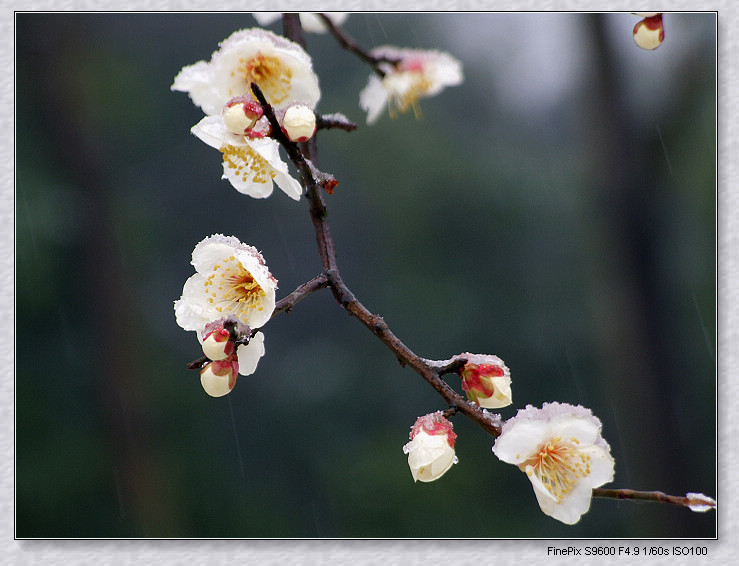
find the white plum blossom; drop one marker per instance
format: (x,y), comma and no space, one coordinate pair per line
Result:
(416,74)
(561,450)
(250,164)
(280,67)
(431,449)
(310,21)
(231,279)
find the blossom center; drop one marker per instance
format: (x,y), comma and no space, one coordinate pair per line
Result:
(232,288)
(558,465)
(272,77)
(247,164)
(410,86)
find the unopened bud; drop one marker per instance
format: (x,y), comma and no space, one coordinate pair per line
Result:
(649,32)
(218,378)
(241,114)
(217,344)
(299,123)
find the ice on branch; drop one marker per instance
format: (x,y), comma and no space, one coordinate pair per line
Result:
(280,67)
(561,450)
(700,503)
(486,380)
(649,33)
(416,74)
(431,449)
(251,164)
(311,22)
(231,279)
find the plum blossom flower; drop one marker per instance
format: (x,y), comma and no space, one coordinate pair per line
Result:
(230,278)
(431,449)
(280,67)
(561,450)
(310,21)
(486,380)
(251,164)
(416,74)
(649,33)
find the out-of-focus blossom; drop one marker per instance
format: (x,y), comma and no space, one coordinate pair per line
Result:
(311,22)
(416,74)
(561,450)
(280,67)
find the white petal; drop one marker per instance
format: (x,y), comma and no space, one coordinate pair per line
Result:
(191,311)
(249,354)
(373,99)
(197,81)
(213,131)
(521,441)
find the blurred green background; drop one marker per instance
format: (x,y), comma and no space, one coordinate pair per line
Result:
(558,210)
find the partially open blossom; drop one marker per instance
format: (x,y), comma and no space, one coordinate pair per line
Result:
(250,164)
(280,67)
(486,380)
(299,123)
(649,33)
(219,377)
(431,449)
(561,450)
(230,278)
(310,21)
(417,74)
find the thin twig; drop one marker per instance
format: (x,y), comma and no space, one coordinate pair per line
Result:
(289,301)
(653,496)
(350,45)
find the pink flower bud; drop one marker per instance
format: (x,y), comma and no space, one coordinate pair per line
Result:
(218,378)
(431,449)
(649,32)
(486,380)
(241,114)
(217,346)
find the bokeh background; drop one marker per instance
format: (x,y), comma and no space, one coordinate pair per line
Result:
(558,209)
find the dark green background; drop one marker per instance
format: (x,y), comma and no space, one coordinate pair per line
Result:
(574,237)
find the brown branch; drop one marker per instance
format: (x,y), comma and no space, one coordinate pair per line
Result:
(350,45)
(698,500)
(289,301)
